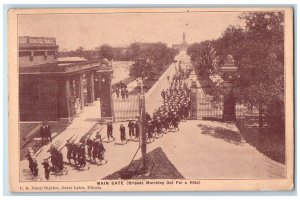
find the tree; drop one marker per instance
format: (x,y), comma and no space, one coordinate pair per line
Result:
(204,57)
(150,58)
(258,52)
(106,51)
(79,52)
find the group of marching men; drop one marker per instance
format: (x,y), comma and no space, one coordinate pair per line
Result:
(76,151)
(56,161)
(92,148)
(176,107)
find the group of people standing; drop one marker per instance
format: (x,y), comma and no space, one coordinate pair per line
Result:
(121,90)
(133,129)
(45,132)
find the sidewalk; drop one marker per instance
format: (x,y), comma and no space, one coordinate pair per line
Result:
(79,126)
(153,98)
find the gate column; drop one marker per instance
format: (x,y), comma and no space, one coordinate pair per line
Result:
(230,76)
(105,93)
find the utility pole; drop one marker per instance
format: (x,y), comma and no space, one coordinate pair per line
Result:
(143,137)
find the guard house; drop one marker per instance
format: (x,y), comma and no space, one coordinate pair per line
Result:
(49,89)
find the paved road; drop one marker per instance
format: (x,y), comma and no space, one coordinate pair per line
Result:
(195,152)
(198,155)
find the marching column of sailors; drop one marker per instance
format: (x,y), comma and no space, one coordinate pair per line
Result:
(176,107)
(92,148)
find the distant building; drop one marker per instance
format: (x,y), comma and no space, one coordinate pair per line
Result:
(51,88)
(182,46)
(34,51)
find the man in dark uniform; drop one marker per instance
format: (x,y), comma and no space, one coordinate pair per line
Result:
(137,129)
(101,151)
(110,131)
(33,166)
(95,149)
(70,149)
(48,132)
(122,133)
(47,168)
(175,122)
(131,128)
(43,132)
(150,130)
(81,156)
(76,149)
(89,144)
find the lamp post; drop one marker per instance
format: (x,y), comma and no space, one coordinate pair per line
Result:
(143,137)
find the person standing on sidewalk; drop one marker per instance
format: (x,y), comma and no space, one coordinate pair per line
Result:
(43,132)
(110,131)
(131,128)
(47,133)
(122,133)
(137,130)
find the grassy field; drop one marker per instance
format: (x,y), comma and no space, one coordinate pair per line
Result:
(268,142)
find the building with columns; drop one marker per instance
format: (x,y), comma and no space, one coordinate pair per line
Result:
(53,90)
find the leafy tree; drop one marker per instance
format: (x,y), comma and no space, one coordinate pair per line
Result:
(259,55)
(106,51)
(79,52)
(150,58)
(204,57)
(258,52)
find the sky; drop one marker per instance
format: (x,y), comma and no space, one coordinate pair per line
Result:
(121,29)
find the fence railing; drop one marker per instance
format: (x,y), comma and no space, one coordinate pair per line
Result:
(125,109)
(204,106)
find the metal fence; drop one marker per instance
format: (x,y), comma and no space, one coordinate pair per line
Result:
(125,109)
(206,107)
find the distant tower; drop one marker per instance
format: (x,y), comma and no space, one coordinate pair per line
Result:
(183,38)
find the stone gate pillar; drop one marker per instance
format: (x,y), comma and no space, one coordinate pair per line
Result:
(105,92)
(90,87)
(230,76)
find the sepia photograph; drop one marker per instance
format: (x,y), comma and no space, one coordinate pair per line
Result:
(151,99)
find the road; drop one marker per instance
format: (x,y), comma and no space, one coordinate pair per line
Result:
(199,150)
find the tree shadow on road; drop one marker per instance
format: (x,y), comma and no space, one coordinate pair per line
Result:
(231,136)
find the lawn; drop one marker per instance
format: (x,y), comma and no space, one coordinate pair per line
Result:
(268,142)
